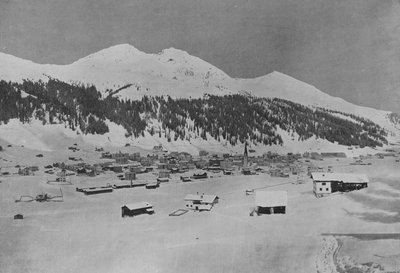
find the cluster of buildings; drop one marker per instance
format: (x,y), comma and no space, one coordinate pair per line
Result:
(266,202)
(27,170)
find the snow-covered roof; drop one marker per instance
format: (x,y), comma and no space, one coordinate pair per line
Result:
(193,197)
(342,177)
(163,179)
(209,199)
(271,198)
(139,205)
(203,198)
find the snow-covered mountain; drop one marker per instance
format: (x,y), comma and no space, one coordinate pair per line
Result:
(171,72)
(129,73)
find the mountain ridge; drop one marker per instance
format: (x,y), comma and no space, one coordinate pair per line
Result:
(129,74)
(186,66)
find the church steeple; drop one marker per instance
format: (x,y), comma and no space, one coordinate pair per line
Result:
(245,159)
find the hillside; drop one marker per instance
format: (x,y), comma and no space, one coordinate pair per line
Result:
(122,87)
(171,72)
(229,119)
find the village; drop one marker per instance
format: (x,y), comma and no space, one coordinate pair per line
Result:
(135,192)
(135,170)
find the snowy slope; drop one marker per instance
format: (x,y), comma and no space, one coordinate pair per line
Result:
(279,85)
(173,72)
(176,73)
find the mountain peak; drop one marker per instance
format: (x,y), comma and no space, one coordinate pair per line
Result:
(276,75)
(121,48)
(173,52)
(120,51)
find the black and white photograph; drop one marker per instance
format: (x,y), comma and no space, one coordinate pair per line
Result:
(200,136)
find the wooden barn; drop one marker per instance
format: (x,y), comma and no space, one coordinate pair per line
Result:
(270,202)
(326,183)
(137,209)
(201,202)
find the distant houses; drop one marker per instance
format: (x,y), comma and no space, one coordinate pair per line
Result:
(326,183)
(270,202)
(334,154)
(200,202)
(25,171)
(121,158)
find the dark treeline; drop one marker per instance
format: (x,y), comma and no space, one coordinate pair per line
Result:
(233,118)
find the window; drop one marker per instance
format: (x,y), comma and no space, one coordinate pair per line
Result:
(327,189)
(320,189)
(323,183)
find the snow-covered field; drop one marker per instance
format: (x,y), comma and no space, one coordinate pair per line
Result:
(47,138)
(88,234)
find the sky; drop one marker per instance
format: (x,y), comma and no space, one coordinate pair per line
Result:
(349,49)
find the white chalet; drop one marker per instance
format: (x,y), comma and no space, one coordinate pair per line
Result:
(201,201)
(325,183)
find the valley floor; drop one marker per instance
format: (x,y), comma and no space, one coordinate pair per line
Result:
(88,234)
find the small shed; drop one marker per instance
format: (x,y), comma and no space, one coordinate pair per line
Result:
(246,171)
(200,175)
(162,179)
(18,216)
(152,185)
(137,209)
(186,178)
(270,202)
